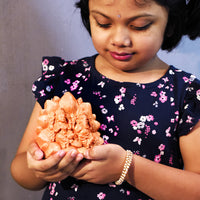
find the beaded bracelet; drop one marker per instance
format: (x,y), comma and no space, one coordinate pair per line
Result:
(128,161)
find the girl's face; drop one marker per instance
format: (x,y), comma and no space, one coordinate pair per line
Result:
(126,35)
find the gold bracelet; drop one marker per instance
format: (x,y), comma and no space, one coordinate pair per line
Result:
(128,161)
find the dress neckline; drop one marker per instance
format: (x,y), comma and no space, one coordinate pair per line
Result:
(101,77)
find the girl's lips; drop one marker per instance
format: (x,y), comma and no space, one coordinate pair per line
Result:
(121,56)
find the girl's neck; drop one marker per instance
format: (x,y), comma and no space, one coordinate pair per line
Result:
(156,69)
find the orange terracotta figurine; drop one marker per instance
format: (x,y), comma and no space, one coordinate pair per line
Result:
(67,123)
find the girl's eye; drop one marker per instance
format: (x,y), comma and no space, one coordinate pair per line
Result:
(103,25)
(141,28)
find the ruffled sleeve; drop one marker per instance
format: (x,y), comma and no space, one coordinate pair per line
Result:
(191,108)
(45,86)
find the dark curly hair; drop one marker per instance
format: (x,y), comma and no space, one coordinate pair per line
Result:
(184,19)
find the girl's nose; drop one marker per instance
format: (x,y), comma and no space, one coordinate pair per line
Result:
(121,38)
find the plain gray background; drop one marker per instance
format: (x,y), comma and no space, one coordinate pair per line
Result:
(30,29)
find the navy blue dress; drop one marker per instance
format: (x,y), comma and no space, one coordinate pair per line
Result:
(148,118)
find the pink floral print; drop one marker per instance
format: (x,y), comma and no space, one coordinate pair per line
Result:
(148,119)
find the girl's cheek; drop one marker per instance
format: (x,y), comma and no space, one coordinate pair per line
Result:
(153,42)
(101,39)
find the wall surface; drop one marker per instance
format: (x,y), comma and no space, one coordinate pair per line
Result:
(29,30)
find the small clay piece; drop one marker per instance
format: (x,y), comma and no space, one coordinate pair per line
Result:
(67,123)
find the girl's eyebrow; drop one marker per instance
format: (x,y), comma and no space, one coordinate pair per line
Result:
(97,12)
(129,19)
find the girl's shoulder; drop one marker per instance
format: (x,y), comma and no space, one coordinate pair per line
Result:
(53,64)
(186,84)
(56,74)
(186,89)
(182,77)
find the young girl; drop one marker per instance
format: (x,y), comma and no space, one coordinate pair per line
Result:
(144,106)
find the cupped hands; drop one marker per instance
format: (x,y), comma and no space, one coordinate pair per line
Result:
(103,164)
(55,168)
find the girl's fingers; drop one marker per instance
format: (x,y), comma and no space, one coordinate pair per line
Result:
(81,169)
(60,161)
(70,161)
(46,164)
(36,152)
(56,167)
(60,170)
(97,152)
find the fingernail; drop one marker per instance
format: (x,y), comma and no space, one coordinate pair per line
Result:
(79,157)
(39,154)
(61,153)
(73,153)
(86,154)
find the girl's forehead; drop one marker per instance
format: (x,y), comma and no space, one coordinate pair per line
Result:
(126,9)
(127,2)
(107,2)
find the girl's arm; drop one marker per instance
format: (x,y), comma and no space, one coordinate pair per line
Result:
(28,167)
(19,167)
(163,182)
(159,181)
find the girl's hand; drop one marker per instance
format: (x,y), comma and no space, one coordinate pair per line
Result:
(55,168)
(104,164)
